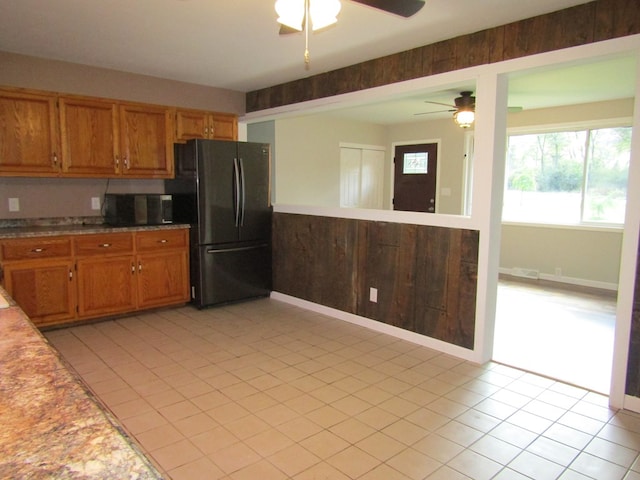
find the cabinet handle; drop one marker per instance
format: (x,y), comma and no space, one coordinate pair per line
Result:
(38,250)
(139,267)
(206,131)
(163,241)
(126,163)
(105,245)
(133,268)
(70,275)
(117,160)
(55,159)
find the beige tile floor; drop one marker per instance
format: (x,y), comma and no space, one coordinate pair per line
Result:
(264,390)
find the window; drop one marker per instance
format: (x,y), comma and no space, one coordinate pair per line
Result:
(568,177)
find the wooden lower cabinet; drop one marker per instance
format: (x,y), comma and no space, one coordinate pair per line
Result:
(162,267)
(44,289)
(106,286)
(58,280)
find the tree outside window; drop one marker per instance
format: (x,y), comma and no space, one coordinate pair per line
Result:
(568,177)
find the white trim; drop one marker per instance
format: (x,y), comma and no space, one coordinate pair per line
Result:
(571,126)
(394,216)
(587,227)
(628,263)
(396,332)
(582,282)
(632,403)
(359,146)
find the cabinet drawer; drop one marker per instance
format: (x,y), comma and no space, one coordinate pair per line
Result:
(161,239)
(103,244)
(35,248)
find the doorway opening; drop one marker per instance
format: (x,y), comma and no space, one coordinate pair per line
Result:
(564,206)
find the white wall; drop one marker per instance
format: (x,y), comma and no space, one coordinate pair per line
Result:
(307,157)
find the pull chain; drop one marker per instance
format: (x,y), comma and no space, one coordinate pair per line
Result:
(307,57)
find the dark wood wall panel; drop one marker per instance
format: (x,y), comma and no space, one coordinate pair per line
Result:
(315,258)
(591,22)
(387,254)
(425,276)
(633,363)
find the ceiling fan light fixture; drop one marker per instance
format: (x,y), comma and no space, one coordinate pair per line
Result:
(323,12)
(464,118)
(291,13)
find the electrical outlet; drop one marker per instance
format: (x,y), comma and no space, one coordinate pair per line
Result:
(14,205)
(95,203)
(373,295)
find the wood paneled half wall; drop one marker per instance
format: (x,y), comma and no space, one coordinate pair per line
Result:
(425,276)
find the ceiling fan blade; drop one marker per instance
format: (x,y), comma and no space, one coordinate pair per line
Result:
(404,8)
(438,103)
(437,111)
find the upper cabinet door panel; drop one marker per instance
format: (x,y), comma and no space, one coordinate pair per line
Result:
(191,124)
(28,134)
(224,127)
(89,135)
(147,141)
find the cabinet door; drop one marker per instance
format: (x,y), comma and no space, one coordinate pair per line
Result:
(28,134)
(45,290)
(163,267)
(224,127)
(106,285)
(191,124)
(163,278)
(89,135)
(147,141)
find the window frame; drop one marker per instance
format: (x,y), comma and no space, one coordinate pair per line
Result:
(622,122)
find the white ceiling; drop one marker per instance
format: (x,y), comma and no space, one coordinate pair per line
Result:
(234,44)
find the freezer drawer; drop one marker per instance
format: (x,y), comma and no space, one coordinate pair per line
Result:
(231,273)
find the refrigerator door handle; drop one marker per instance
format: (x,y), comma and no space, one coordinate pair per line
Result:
(243,190)
(236,200)
(236,249)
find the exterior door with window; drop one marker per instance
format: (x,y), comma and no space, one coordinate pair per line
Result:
(415,169)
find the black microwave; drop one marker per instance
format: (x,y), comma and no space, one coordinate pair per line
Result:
(128,209)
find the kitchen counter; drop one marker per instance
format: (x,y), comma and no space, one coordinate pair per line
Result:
(76,229)
(52,426)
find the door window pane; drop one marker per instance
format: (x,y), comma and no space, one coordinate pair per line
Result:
(415,163)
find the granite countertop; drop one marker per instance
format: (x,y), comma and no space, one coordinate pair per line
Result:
(52,426)
(30,230)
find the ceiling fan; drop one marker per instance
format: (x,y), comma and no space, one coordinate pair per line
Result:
(464,109)
(299,15)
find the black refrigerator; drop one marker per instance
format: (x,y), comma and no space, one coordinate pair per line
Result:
(222,189)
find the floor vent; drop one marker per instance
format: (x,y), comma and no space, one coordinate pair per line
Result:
(525,273)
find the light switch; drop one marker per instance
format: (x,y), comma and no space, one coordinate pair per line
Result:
(14,205)
(95,203)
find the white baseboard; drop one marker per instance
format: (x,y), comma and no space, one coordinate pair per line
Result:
(438,345)
(568,280)
(632,403)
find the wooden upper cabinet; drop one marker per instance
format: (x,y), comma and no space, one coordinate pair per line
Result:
(89,137)
(209,125)
(28,134)
(146,136)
